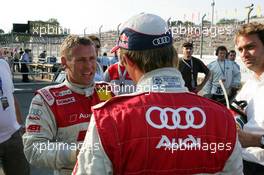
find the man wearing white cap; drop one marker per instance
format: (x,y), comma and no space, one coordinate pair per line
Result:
(161,129)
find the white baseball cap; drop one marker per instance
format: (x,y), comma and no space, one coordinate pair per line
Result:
(144,31)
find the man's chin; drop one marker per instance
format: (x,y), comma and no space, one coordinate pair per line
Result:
(249,66)
(88,81)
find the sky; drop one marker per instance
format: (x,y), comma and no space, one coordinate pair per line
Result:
(88,15)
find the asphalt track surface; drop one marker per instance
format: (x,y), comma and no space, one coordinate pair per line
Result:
(24,93)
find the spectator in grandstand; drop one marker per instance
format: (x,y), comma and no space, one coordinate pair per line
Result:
(118,76)
(25,60)
(141,133)
(190,66)
(249,41)
(60,114)
(225,70)
(232,57)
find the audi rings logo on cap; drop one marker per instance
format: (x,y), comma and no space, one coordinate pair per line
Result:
(161,40)
(176,118)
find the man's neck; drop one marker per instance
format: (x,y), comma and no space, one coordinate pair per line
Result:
(258,73)
(82,86)
(187,58)
(220,59)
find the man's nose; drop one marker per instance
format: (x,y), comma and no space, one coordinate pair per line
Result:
(244,53)
(88,64)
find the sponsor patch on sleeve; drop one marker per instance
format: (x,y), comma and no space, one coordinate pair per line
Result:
(33,128)
(47,96)
(33,117)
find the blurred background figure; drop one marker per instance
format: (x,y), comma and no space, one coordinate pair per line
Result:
(104,61)
(99,74)
(43,54)
(16,57)
(25,60)
(232,57)
(190,66)
(118,76)
(114,59)
(225,70)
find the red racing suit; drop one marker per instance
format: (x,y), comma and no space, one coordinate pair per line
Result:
(169,131)
(117,75)
(57,122)
(164,124)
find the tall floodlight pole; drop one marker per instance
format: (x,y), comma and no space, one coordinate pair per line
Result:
(84,30)
(12,39)
(100,37)
(168,21)
(250,8)
(201,42)
(100,29)
(118,29)
(212,4)
(212,21)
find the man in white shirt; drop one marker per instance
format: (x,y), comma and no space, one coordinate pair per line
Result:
(249,42)
(225,70)
(12,158)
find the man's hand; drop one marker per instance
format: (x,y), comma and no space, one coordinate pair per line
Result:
(198,88)
(248,139)
(233,92)
(22,130)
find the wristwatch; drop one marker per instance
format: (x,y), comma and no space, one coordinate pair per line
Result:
(262,141)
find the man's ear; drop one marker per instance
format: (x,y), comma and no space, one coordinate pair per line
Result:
(64,62)
(128,61)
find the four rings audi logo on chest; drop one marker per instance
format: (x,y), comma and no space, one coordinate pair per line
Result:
(161,40)
(179,118)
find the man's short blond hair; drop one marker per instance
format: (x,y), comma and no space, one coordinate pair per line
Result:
(251,29)
(72,41)
(148,60)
